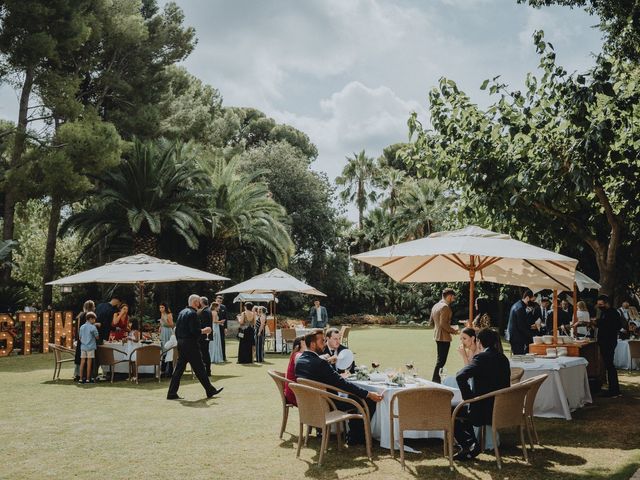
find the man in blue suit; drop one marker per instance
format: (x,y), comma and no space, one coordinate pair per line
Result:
(521,324)
(318,316)
(312,367)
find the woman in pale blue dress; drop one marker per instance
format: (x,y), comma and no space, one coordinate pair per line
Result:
(166,323)
(215,345)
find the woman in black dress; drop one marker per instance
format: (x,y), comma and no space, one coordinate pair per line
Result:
(246,334)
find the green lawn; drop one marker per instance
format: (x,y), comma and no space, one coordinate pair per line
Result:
(62,430)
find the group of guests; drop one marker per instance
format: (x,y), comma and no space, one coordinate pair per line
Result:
(252,333)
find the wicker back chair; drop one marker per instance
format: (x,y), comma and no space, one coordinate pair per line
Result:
(634,352)
(534,386)
(288,337)
(269,339)
(344,335)
(316,408)
(516,374)
(412,415)
(281,380)
(106,356)
(149,355)
(58,359)
(508,411)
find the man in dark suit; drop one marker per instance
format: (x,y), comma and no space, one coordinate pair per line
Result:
(188,334)
(490,371)
(521,324)
(310,366)
(318,316)
(222,315)
(332,349)
(565,317)
(104,314)
(206,320)
(609,324)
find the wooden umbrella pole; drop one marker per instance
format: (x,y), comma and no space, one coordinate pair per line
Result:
(575,302)
(555,317)
(472,274)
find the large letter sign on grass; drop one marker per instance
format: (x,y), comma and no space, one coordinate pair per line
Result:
(6,322)
(27,319)
(63,329)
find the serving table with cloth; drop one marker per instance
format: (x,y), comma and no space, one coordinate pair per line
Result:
(622,356)
(380,429)
(129,347)
(566,388)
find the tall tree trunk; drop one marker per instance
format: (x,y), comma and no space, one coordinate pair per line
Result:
(216,263)
(146,243)
(10,198)
(50,251)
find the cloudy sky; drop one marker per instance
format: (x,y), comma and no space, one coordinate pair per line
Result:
(349,72)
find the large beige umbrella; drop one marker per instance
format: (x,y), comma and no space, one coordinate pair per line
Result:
(473,254)
(273,281)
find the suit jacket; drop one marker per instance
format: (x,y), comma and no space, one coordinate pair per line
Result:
(222,315)
(490,371)
(609,324)
(318,322)
(520,324)
(441,314)
(206,320)
(310,366)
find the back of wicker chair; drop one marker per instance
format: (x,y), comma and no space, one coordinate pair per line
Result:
(534,386)
(281,380)
(516,374)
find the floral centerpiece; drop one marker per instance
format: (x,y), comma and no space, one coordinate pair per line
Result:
(362,373)
(398,378)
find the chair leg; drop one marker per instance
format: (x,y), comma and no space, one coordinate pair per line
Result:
(483,437)
(529,434)
(306,437)
(300,439)
(285,416)
(535,431)
(367,437)
(392,441)
(449,435)
(339,434)
(524,444)
(495,448)
(401,442)
(112,371)
(323,444)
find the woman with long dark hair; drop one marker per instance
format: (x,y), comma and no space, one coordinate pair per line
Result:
(468,346)
(483,319)
(298,347)
(246,334)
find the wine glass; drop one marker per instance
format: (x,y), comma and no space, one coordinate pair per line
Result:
(375,365)
(443,374)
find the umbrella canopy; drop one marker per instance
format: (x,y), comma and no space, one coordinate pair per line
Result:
(254,297)
(139,269)
(582,283)
(473,253)
(273,281)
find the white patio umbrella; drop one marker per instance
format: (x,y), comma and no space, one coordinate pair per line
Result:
(273,281)
(473,254)
(139,269)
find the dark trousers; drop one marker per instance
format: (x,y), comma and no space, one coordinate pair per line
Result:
(463,430)
(224,351)
(443,353)
(519,348)
(206,358)
(356,427)
(607,352)
(189,352)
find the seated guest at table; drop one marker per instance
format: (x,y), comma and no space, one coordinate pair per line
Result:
(565,316)
(246,335)
(332,349)
(298,348)
(312,367)
(468,345)
(609,323)
(134,332)
(490,371)
(120,323)
(521,324)
(483,319)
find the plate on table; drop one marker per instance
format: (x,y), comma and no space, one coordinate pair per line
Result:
(345,359)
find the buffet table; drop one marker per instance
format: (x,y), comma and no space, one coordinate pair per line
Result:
(130,348)
(566,388)
(622,356)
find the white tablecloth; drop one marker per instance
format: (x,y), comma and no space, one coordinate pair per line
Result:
(566,388)
(622,357)
(129,348)
(299,332)
(380,421)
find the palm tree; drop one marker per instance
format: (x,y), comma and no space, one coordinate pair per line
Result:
(157,188)
(242,215)
(357,179)
(422,205)
(390,180)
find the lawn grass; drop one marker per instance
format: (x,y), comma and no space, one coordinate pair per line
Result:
(62,430)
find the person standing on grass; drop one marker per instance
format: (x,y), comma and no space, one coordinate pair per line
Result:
(222,315)
(609,323)
(188,333)
(318,316)
(88,337)
(441,315)
(521,324)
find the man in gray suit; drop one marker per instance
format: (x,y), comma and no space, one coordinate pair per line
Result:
(441,314)
(318,316)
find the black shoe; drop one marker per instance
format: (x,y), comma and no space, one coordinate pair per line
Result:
(175,396)
(612,394)
(466,454)
(214,392)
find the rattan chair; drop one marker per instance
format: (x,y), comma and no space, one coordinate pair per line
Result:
(316,408)
(344,335)
(288,337)
(634,352)
(413,415)
(281,380)
(508,411)
(58,360)
(534,386)
(149,355)
(105,356)
(516,374)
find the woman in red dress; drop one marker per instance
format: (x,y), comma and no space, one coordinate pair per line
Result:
(298,347)
(120,324)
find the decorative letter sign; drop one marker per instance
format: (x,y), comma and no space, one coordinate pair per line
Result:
(6,322)
(63,331)
(27,319)
(46,315)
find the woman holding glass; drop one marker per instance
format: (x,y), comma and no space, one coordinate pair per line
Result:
(120,324)
(166,323)
(215,345)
